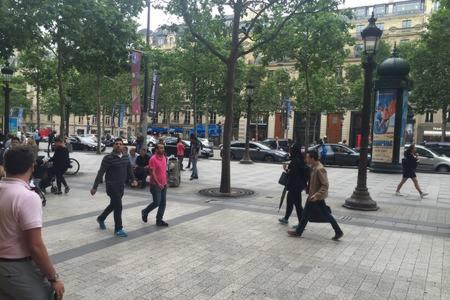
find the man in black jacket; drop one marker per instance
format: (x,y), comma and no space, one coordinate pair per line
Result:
(61,163)
(118,169)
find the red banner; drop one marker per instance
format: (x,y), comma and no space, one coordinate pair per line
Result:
(136,58)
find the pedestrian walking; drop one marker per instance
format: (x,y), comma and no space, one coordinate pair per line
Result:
(317,193)
(409,165)
(37,137)
(51,140)
(158,186)
(118,169)
(298,177)
(26,271)
(180,153)
(61,163)
(195,150)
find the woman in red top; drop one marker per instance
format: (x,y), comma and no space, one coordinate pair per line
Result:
(180,153)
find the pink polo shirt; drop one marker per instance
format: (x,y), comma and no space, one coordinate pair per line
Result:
(159,167)
(20,210)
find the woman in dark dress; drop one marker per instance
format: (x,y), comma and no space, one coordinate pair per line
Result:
(409,165)
(298,178)
(61,163)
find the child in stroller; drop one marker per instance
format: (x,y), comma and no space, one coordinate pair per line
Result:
(43,176)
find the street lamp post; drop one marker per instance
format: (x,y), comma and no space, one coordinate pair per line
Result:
(246,158)
(361,199)
(7,74)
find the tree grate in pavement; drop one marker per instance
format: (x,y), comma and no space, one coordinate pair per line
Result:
(235,193)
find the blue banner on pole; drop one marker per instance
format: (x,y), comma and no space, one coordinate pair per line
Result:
(121,115)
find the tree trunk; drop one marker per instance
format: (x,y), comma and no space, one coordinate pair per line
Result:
(206,123)
(99,122)
(315,126)
(308,110)
(444,123)
(62,99)
(38,107)
(103,118)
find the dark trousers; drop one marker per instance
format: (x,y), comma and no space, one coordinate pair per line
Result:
(59,174)
(189,162)
(294,198)
(115,193)
(323,209)
(159,201)
(141,174)
(180,162)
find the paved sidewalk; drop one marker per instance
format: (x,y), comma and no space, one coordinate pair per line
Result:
(235,248)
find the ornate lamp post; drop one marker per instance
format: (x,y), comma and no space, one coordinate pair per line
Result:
(7,74)
(249,91)
(361,199)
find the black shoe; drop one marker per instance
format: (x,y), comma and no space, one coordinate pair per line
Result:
(337,236)
(58,193)
(144,216)
(162,224)
(66,189)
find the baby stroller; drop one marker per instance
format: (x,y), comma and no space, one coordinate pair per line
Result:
(43,176)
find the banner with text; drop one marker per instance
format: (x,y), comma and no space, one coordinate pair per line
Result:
(384,126)
(136,58)
(154,96)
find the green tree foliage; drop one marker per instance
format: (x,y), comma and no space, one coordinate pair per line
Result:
(316,42)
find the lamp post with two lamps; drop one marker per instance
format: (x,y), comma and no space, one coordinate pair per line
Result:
(361,199)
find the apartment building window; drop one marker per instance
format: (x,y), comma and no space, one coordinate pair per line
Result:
(94,119)
(108,120)
(360,12)
(176,117)
(49,118)
(380,26)
(436,5)
(80,120)
(212,118)
(408,7)
(165,117)
(406,24)
(379,10)
(429,117)
(359,29)
(187,117)
(199,118)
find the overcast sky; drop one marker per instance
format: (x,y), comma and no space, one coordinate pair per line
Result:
(158,18)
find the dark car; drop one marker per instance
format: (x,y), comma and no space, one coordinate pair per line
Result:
(171,148)
(283,144)
(441,148)
(83,144)
(258,151)
(339,155)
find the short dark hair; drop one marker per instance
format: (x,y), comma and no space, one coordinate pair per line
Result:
(314,154)
(58,139)
(18,160)
(118,140)
(15,138)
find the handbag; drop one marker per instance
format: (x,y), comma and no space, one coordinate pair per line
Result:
(283,179)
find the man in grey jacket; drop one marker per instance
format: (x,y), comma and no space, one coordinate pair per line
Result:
(118,169)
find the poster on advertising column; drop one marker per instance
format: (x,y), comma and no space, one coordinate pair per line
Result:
(384,126)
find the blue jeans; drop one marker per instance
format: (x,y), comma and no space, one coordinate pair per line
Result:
(159,201)
(194,168)
(323,209)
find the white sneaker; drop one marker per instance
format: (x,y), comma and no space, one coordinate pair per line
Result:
(423,195)
(398,194)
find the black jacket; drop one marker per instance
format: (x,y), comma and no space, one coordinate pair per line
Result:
(117,169)
(409,163)
(61,159)
(298,175)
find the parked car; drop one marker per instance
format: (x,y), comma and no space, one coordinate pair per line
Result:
(283,144)
(258,152)
(431,161)
(339,155)
(151,141)
(171,148)
(83,144)
(441,148)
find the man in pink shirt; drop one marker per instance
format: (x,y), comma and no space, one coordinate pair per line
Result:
(180,153)
(158,186)
(25,268)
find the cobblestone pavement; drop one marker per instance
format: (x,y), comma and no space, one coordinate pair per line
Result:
(235,248)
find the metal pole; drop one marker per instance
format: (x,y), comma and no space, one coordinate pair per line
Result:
(144,115)
(361,199)
(246,159)
(7,91)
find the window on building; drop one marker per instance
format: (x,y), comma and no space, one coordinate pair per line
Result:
(408,7)
(199,118)
(80,120)
(380,26)
(212,118)
(379,10)
(165,117)
(436,5)
(429,117)
(406,23)
(94,119)
(108,120)
(187,117)
(49,118)
(359,29)
(176,117)
(360,12)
